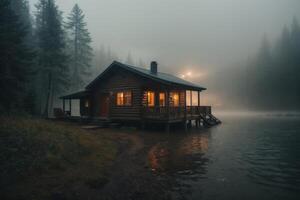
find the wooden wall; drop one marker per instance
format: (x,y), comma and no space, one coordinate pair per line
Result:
(119,80)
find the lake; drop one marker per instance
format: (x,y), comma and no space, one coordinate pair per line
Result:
(246,157)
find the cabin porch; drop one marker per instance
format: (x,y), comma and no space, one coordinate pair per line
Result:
(175,106)
(165,106)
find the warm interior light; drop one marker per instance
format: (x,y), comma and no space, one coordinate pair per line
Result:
(150,98)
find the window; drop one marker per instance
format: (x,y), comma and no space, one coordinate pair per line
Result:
(194,98)
(86,103)
(188,98)
(191,98)
(175,98)
(162,99)
(150,98)
(124,98)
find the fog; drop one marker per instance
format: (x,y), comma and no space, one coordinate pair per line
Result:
(178,33)
(194,39)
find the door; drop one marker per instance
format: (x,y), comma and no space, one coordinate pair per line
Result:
(104,105)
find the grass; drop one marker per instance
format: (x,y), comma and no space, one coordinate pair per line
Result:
(40,159)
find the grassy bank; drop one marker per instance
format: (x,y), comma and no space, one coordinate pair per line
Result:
(45,159)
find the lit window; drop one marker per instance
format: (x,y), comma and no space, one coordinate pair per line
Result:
(162,99)
(194,98)
(175,98)
(151,98)
(86,103)
(124,98)
(188,98)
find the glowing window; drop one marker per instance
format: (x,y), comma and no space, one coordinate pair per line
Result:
(188,98)
(175,99)
(151,98)
(124,98)
(194,98)
(162,99)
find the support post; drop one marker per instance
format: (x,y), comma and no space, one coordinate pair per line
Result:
(70,106)
(168,104)
(185,105)
(198,98)
(198,110)
(191,101)
(64,105)
(185,125)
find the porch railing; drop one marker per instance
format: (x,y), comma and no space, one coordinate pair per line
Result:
(158,112)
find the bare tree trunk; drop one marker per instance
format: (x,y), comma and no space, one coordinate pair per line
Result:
(46,112)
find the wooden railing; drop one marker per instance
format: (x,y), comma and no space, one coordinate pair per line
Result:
(158,112)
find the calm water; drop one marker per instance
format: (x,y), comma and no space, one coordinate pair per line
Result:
(253,157)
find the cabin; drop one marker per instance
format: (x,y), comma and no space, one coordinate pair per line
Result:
(123,93)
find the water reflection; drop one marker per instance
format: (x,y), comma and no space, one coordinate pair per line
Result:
(183,154)
(253,157)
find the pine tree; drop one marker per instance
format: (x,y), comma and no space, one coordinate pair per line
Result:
(80,47)
(21,9)
(15,58)
(53,69)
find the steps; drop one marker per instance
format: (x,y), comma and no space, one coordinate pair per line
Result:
(209,120)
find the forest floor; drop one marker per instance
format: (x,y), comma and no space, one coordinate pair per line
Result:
(43,159)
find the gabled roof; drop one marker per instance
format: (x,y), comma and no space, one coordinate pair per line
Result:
(76,95)
(160,77)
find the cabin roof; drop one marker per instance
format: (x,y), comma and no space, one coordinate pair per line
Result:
(76,95)
(159,76)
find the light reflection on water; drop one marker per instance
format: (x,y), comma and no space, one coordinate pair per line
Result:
(246,157)
(178,155)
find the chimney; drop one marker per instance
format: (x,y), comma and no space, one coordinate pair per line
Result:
(153,68)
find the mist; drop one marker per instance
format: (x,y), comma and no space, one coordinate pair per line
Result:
(201,41)
(202,37)
(178,33)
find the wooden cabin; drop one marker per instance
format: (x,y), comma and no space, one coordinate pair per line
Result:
(123,93)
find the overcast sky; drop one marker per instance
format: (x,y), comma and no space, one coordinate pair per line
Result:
(210,33)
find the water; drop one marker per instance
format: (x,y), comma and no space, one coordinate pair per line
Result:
(246,157)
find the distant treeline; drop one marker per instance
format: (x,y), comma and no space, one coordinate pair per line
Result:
(44,55)
(269,80)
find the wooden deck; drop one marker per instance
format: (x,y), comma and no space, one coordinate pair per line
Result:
(202,115)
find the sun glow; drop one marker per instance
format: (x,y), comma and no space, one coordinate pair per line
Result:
(195,74)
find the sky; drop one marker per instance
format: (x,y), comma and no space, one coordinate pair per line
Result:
(207,34)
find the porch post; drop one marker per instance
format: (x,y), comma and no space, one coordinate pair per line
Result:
(64,106)
(198,98)
(184,120)
(168,111)
(70,106)
(191,101)
(168,103)
(184,105)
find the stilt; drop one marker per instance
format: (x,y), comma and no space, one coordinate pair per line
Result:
(64,106)
(185,125)
(190,124)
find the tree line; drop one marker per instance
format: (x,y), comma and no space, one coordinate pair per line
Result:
(42,56)
(270,79)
